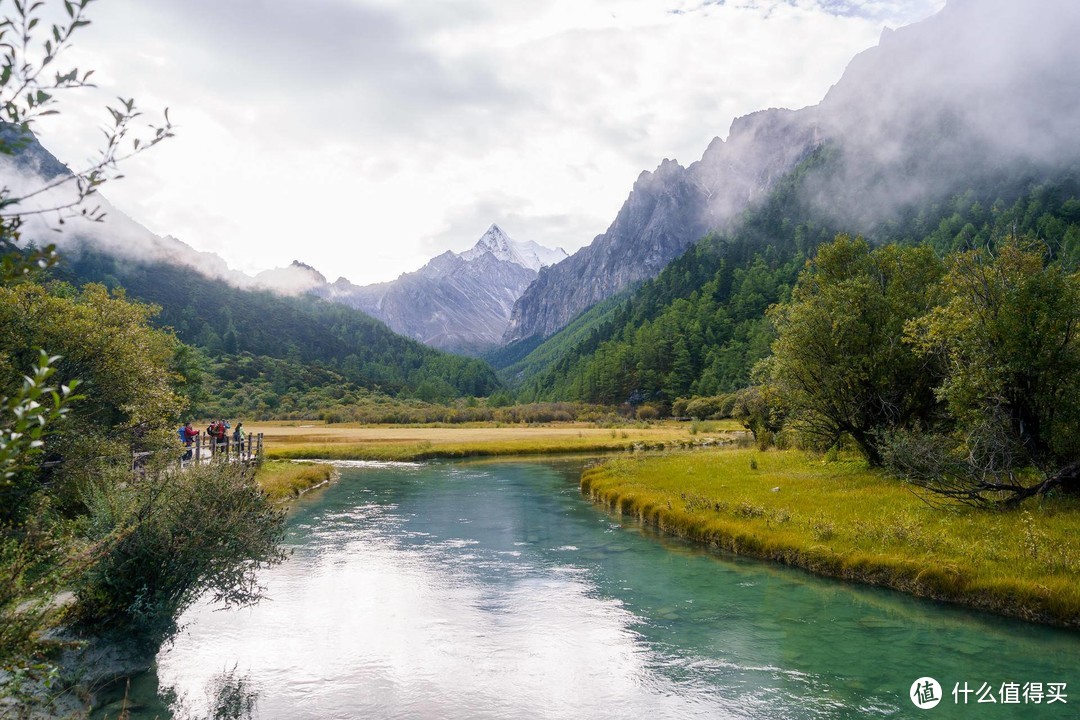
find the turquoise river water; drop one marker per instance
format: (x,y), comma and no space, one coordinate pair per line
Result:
(495,590)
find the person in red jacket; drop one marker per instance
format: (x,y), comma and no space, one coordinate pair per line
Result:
(188,435)
(222,434)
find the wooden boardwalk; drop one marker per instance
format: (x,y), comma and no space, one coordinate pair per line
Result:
(204,450)
(207,449)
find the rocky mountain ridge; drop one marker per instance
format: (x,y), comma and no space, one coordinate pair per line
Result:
(976,87)
(527,254)
(457,302)
(667,210)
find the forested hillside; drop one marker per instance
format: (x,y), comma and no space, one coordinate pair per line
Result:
(700,326)
(289,342)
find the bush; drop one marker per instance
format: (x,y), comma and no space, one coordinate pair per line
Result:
(168,538)
(331,417)
(647,412)
(716,407)
(756,410)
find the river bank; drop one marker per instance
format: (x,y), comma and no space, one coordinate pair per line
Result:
(284,481)
(841,520)
(836,519)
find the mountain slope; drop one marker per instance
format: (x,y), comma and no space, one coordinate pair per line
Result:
(666,211)
(699,327)
(922,140)
(457,302)
(977,88)
(226,320)
(224,312)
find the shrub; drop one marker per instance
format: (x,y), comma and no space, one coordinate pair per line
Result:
(170,537)
(647,412)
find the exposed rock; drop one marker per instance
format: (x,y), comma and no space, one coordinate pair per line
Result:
(977,87)
(455,302)
(667,210)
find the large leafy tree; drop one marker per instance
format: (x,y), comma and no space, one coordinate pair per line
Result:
(1007,337)
(31,81)
(840,366)
(136,549)
(128,388)
(34,550)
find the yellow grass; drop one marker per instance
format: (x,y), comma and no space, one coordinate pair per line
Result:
(283,480)
(396,442)
(842,520)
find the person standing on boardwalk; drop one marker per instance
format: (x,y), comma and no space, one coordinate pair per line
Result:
(212,435)
(221,435)
(188,435)
(238,436)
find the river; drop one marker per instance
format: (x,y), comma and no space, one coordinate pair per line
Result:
(495,590)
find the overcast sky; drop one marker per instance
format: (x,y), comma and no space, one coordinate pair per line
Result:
(366,136)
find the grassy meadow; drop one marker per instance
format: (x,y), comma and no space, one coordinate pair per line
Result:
(842,520)
(402,442)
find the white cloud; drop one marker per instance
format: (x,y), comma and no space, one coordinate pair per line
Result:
(364,136)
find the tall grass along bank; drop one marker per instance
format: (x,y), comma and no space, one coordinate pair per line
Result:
(841,520)
(283,481)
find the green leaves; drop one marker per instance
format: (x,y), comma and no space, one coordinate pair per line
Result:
(107,343)
(307,336)
(27,95)
(172,539)
(840,365)
(1007,335)
(967,382)
(29,416)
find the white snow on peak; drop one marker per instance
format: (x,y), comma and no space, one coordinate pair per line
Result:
(527,254)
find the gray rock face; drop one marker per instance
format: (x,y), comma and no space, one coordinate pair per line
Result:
(667,210)
(966,92)
(460,303)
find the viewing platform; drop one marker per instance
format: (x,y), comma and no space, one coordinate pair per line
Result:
(205,449)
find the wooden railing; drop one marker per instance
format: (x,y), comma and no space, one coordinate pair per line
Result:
(205,449)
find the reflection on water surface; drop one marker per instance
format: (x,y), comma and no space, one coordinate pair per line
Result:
(496,591)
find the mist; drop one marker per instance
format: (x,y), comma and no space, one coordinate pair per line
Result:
(115,233)
(981,90)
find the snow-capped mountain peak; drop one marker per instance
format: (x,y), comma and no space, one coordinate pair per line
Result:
(527,254)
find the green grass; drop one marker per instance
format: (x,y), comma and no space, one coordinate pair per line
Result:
(842,520)
(284,480)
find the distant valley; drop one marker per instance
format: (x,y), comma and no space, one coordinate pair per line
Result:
(951,131)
